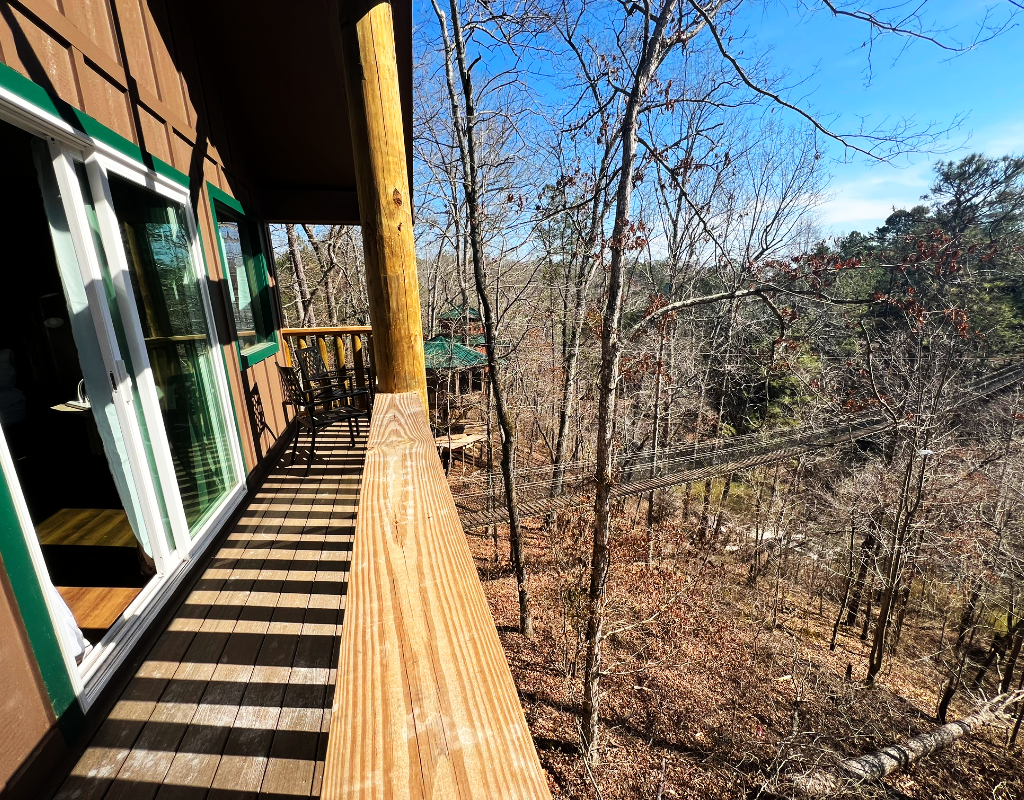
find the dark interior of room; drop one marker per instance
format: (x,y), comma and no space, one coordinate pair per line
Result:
(58,455)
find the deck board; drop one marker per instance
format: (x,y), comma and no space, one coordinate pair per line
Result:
(231,700)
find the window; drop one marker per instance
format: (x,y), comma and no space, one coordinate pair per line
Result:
(245,273)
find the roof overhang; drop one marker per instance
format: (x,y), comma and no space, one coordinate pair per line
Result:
(271,77)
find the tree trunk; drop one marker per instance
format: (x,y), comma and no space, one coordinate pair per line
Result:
(954,680)
(902,603)
(910,501)
(885,602)
(1012,740)
(327,270)
(654,457)
(867,611)
(307,317)
(868,548)
(996,650)
(1011,663)
(466,135)
(967,617)
(608,380)
(849,584)
(874,767)
(721,506)
(705,511)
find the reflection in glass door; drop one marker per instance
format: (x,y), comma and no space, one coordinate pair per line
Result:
(166,291)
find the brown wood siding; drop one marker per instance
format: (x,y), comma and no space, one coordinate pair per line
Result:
(22,697)
(113,59)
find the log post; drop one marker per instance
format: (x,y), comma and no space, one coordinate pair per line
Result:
(382,185)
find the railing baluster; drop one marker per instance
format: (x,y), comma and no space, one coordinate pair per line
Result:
(287,350)
(321,342)
(357,361)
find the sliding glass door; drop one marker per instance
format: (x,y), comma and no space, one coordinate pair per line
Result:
(166,289)
(117,437)
(147,257)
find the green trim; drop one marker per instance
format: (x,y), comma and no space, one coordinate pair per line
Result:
(224,198)
(28,592)
(50,104)
(259,352)
(264,314)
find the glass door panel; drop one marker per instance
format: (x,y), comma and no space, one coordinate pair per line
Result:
(95,364)
(176,331)
(123,347)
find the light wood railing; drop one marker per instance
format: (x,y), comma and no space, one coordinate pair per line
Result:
(424,705)
(340,346)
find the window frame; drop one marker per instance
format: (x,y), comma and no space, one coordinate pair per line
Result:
(225,208)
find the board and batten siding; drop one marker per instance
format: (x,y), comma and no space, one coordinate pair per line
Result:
(111,60)
(23,700)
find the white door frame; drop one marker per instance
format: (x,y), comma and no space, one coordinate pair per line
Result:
(120,380)
(99,167)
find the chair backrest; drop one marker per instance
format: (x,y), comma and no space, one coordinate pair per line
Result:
(311,363)
(292,387)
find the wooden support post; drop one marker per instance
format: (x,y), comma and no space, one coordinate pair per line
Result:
(385,203)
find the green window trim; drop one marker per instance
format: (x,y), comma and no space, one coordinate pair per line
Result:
(16,83)
(28,594)
(263,309)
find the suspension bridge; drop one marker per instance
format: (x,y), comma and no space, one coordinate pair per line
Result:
(480,497)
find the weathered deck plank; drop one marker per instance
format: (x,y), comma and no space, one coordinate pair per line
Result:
(231,700)
(425,704)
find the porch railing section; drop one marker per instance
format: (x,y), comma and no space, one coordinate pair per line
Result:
(344,347)
(425,705)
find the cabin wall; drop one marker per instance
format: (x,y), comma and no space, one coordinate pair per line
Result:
(116,61)
(111,60)
(22,696)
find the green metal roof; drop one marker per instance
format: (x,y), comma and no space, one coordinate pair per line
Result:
(458,314)
(443,354)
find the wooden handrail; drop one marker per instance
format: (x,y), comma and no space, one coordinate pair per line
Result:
(424,705)
(326,330)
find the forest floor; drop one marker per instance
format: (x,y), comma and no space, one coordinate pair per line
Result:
(716,688)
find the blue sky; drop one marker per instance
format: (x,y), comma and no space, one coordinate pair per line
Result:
(826,64)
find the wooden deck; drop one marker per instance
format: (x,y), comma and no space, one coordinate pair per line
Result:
(233,701)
